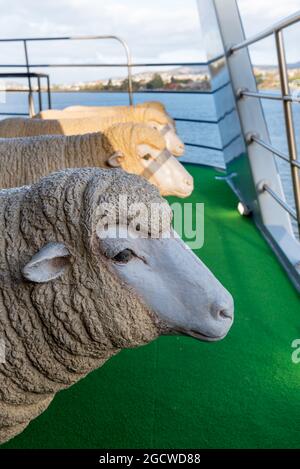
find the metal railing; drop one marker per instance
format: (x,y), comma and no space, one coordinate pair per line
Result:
(275,28)
(30,90)
(258,94)
(287,99)
(129,65)
(29,66)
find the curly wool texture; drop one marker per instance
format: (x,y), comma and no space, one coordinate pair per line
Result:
(23,160)
(22,127)
(57,332)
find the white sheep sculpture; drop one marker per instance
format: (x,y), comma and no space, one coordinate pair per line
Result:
(76,287)
(136,148)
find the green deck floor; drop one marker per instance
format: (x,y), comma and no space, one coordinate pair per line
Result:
(180,393)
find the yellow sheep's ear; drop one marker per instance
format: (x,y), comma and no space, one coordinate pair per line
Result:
(115,159)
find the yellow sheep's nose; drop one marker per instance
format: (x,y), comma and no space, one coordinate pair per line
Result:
(180,148)
(189,181)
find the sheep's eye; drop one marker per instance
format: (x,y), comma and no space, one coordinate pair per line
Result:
(124,256)
(147,156)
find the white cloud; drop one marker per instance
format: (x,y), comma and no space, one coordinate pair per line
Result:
(156,30)
(266,11)
(260,14)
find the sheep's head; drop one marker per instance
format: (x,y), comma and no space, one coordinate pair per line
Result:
(139,149)
(160,121)
(109,271)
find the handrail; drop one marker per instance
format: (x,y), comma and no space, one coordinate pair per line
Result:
(129,64)
(281,202)
(258,94)
(14,114)
(116,64)
(75,38)
(288,21)
(288,118)
(286,98)
(267,146)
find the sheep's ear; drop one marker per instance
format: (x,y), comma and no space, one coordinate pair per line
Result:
(115,159)
(47,264)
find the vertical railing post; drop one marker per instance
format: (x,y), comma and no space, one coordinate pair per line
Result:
(30,95)
(48,92)
(39,93)
(129,70)
(288,115)
(130,89)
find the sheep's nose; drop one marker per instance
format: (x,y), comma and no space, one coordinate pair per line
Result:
(189,182)
(223,312)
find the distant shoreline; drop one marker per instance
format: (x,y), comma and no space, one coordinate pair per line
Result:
(180,80)
(160,91)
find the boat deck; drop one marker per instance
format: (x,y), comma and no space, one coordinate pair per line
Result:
(181,393)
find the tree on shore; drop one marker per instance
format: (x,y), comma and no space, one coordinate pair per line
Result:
(155,83)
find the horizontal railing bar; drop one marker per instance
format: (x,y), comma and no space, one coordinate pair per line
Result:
(183,64)
(25,90)
(117,64)
(110,91)
(274,150)
(58,38)
(65,65)
(288,21)
(14,114)
(136,65)
(23,75)
(276,97)
(280,201)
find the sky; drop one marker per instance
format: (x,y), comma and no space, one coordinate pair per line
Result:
(156,30)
